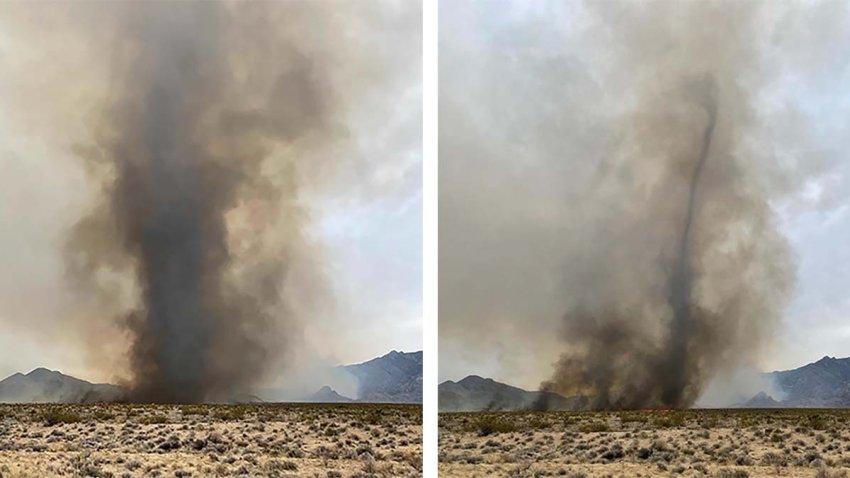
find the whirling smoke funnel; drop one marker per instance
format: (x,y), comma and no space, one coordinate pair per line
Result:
(692,269)
(634,167)
(218,116)
(186,144)
(681,281)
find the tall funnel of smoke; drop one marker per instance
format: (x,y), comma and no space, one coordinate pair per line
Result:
(616,180)
(681,279)
(212,108)
(692,273)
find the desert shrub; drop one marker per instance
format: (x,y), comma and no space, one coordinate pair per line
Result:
(817,422)
(103,415)
(153,419)
(708,422)
(490,424)
(773,459)
(275,465)
(55,416)
(594,427)
(373,418)
(538,423)
(748,421)
(674,420)
(633,418)
(731,473)
(232,414)
(825,473)
(187,410)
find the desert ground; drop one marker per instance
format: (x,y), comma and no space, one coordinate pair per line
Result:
(267,440)
(693,443)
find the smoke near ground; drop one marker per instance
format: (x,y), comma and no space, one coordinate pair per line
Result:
(186,148)
(610,204)
(214,120)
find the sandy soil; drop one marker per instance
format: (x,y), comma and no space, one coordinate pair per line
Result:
(698,443)
(210,440)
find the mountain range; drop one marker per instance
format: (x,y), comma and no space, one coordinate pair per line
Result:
(395,377)
(392,378)
(475,393)
(43,385)
(822,384)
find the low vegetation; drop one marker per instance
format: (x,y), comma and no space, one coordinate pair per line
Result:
(805,443)
(268,440)
(56,415)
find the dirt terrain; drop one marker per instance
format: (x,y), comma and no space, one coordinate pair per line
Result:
(350,440)
(694,443)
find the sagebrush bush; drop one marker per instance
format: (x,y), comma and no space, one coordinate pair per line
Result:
(489,424)
(55,416)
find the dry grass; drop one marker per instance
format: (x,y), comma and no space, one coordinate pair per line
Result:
(268,440)
(691,444)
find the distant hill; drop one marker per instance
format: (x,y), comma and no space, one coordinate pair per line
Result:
(822,384)
(475,393)
(327,395)
(761,400)
(392,378)
(48,386)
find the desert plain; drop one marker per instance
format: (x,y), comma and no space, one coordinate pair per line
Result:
(732,443)
(263,440)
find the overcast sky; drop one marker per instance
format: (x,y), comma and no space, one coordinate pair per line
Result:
(494,64)
(370,225)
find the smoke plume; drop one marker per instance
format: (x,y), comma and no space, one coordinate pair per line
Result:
(689,195)
(214,117)
(641,162)
(183,141)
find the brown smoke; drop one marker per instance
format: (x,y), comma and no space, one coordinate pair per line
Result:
(184,140)
(633,205)
(214,117)
(708,283)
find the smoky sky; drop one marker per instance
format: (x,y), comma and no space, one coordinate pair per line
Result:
(211,132)
(612,177)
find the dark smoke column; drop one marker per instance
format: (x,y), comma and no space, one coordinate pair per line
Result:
(171,195)
(190,126)
(677,272)
(681,282)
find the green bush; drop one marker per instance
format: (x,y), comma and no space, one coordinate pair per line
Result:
(730,473)
(103,415)
(232,414)
(633,418)
(153,419)
(373,418)
(55,416)
(538,423)
(594,427)
(187,410)
(489,424)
